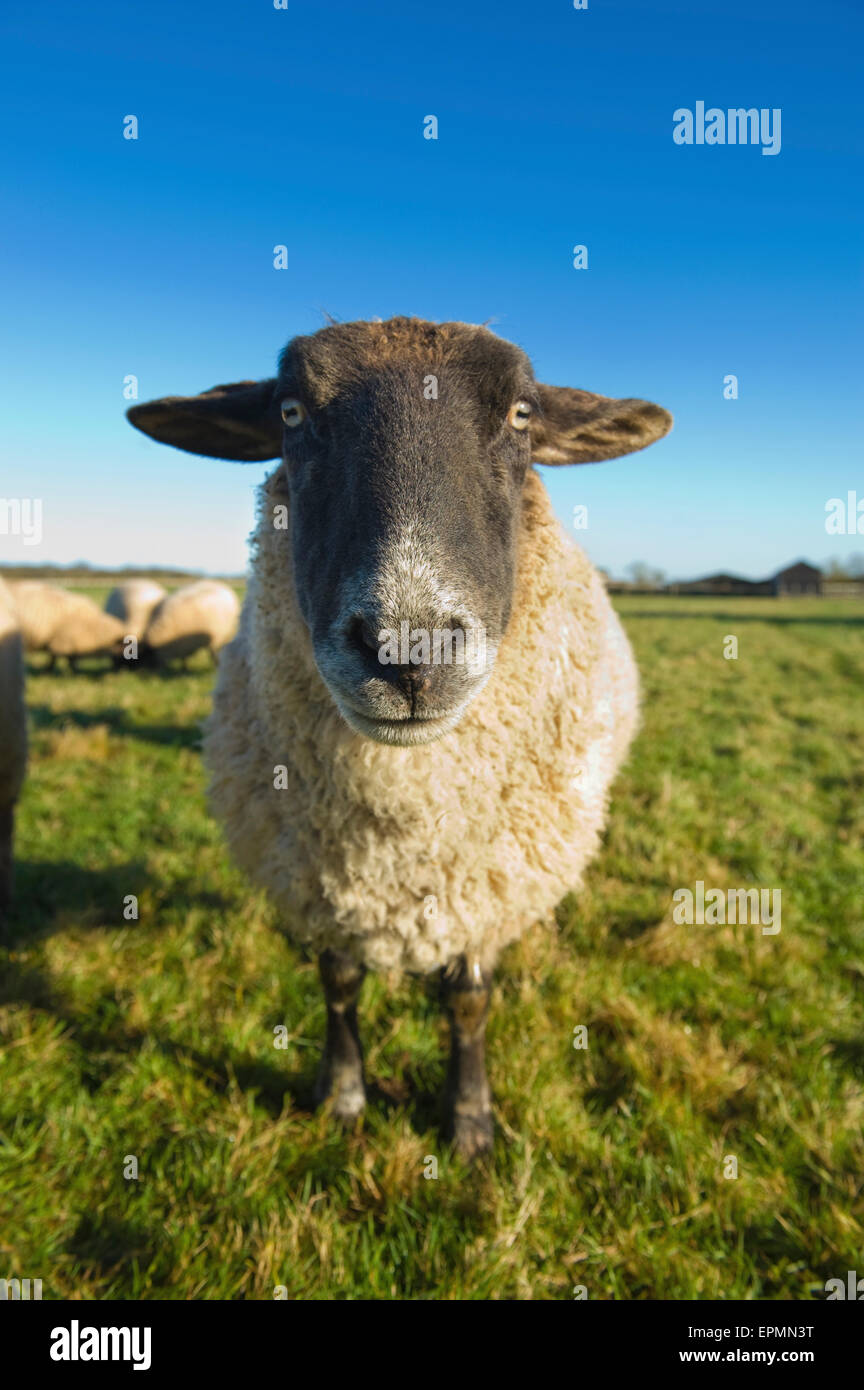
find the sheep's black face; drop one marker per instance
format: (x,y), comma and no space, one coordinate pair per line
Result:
(405,480)
(405,446)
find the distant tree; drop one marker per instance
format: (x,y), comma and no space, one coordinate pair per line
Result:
(645,576)
(850,568)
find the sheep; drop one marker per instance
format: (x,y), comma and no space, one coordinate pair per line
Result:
(133,603)
(13,737)
(203,614)
(402,812)
(65,624)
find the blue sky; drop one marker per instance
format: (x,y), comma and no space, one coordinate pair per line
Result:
(304,126)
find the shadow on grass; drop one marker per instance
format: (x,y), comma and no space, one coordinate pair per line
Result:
(48,890)
(92,671)
(119,724)
(22,983)
(410,1094)
(96,669)
(102,1242)
(105,1042)
(619,925)
(850,1053)
(599,1100)
(55,895)
(779,619)
(254,1076)
(627,926)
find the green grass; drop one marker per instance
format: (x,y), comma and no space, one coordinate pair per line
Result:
(155,1038)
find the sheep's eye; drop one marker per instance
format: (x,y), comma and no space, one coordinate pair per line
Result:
(293,413)
(519,415)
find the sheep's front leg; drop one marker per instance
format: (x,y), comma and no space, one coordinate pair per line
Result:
(341,1072)
(468,1099)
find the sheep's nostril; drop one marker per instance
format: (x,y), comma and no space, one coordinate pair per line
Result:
(362,636)
(406,656)
(414,680)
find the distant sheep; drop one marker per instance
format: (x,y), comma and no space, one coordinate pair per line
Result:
(65,624)
(402,811)
(13,737)
(203,614)
(133,602)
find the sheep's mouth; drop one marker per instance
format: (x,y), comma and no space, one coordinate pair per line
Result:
(407,732)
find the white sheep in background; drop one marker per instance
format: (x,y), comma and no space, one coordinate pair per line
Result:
(13,737)
(203,614)
(64,624)
(133,602)
(415,814)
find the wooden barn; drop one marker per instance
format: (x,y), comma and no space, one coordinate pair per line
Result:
(800,578)
(723,584)
(797,579)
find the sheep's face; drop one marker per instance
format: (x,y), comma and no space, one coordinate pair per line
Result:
(404,471)
(405,447)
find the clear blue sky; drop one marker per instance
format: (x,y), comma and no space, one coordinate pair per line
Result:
(304,127)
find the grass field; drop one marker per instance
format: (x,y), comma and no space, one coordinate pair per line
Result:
(155,1038)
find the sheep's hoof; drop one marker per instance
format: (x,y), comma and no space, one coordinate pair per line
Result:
(346,1096)
(348,1106)
(473,1133)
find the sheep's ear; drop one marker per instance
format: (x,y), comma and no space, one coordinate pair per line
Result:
(239,421)
(579,427)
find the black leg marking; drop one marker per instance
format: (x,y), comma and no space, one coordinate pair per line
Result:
(468,1099)
(341,1073)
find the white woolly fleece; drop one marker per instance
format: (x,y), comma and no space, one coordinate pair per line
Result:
(133,602)
(406,857)
(63,623)
(203,614)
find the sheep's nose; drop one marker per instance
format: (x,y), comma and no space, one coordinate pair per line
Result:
(370,639)
(363,636)
(414,680)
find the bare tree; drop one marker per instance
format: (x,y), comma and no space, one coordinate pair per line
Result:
(645,576)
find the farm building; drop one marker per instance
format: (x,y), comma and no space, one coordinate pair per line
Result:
(800,578)
(843,588)
(723,584)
